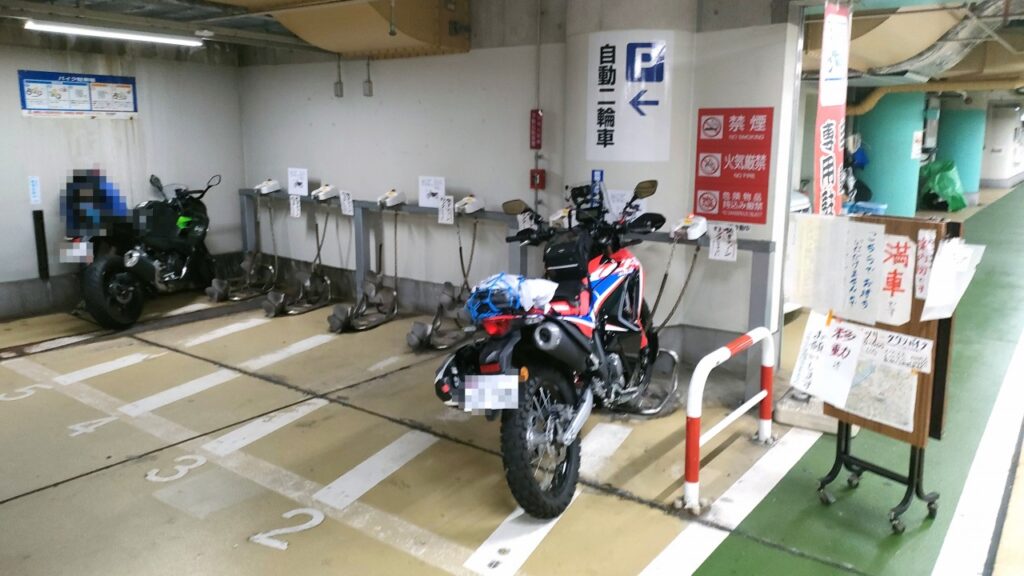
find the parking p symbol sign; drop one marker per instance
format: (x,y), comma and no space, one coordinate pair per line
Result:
(645,62)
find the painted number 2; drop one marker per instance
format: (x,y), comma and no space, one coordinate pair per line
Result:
(316,517)
(192,462)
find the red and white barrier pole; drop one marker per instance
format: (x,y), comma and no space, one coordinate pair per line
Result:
(695,399)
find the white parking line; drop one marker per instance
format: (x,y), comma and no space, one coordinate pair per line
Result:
(288,351)
(511,544)
(518,536)
(381,526)
(59,342)
(253,431)
(358,481)
(219,377)
(171,395)
(188,308)
(224,331)
(103,368)
(598,447)
(969,539)
(685,554)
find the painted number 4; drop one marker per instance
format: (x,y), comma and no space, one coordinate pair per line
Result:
(89,426)
(316,517)
(191,462)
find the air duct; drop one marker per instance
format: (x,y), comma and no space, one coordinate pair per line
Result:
(872,99)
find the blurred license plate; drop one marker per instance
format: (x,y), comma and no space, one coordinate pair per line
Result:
(492,392)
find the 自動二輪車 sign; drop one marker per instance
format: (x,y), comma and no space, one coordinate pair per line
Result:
(629,109)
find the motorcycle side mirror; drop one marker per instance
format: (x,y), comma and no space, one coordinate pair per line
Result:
(155,182)
(515,207)
(645,189)
(646,223)
(213,181)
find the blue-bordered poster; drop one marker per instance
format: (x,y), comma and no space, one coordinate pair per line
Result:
(72,95)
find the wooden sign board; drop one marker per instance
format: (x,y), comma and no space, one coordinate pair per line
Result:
(929,407)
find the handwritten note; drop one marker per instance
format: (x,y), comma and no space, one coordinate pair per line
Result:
(925,256)
(827,361)
(347,208)
(898,260)
(446,210)
(861,271)
(723,242)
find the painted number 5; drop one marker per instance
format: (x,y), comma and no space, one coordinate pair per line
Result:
(316,517)
(190,462)
(23,392)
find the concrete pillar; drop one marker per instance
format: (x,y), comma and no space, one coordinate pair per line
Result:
(961,140)
(888,135)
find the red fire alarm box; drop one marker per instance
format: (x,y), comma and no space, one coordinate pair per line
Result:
(538,178)
(536,128)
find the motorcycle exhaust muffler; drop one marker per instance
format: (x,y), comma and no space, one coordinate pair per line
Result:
(552,340)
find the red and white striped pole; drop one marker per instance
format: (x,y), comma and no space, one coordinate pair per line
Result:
(695,398)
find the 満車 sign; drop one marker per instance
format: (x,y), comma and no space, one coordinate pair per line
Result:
(734,154)
(629,106)
(71,95)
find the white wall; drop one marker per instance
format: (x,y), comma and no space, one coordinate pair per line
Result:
(464,117)
(188,128)
(749,67)
(1003,157)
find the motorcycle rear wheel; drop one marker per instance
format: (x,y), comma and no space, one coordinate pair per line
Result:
(541,473)
(110,309)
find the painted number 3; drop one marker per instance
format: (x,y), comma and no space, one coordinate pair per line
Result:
(316,517)
(190,462)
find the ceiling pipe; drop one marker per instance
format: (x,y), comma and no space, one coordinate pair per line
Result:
(876,95)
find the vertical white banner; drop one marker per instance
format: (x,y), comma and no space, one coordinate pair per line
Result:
(629,104)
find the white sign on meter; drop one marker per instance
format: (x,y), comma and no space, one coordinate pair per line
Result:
(629,98)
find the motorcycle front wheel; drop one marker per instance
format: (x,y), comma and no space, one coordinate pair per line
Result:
(112,297)
(540,471)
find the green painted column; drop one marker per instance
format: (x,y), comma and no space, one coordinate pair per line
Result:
(887,132)
(961,139)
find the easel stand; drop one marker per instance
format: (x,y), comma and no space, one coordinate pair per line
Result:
(913,480)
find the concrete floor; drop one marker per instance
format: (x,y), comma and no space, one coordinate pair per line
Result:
(226,443)
(167,451)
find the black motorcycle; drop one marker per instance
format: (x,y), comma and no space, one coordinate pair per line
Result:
(157,247)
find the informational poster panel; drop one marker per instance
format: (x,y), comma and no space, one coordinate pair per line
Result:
(830,124)
(734,155)
(629,105)
(72,95)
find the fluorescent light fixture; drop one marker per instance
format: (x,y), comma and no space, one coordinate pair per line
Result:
(95,32)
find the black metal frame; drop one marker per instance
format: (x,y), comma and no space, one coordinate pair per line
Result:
(914,480)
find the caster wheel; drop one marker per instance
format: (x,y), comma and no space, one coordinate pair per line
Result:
(853,481)
(933,509)
(898,527)
(826,498)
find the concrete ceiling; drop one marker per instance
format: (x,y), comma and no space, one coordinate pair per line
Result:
(981,41)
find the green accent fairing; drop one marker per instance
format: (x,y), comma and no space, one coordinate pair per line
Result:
(183,222)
